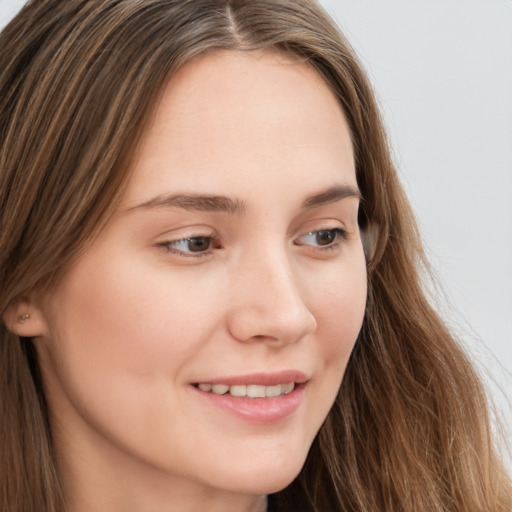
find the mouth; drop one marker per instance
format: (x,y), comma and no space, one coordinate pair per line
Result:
(261,398)
(250,390)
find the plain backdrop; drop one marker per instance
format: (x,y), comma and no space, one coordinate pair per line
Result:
(442,70)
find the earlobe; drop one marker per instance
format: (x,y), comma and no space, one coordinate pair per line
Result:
(24,318)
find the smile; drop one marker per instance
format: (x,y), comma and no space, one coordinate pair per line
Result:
(250,390)
(257,398)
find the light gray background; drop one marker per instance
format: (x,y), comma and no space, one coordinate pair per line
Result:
(443,73)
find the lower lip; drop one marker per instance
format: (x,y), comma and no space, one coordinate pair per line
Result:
(257,410)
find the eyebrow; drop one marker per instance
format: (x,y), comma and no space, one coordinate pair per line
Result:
(223,204)
(196,202)
(331,195)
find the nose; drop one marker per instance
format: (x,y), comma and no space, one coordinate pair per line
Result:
(268,303)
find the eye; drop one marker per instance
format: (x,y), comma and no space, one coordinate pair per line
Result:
(323,238)
(192,246)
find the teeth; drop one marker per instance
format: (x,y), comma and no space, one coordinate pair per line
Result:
(220,389)
(251,391)
(288,388)
(273,390)
(254,391)
(238,390)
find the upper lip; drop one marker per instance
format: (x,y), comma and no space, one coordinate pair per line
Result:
(261,378)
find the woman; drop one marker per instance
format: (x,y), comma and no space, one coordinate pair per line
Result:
(210,276)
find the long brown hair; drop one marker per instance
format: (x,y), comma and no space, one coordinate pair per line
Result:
(409,430)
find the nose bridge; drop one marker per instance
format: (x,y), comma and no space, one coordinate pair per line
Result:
(270,303)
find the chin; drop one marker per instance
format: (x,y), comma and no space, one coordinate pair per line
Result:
(272,486)
(267,484)
(267,478)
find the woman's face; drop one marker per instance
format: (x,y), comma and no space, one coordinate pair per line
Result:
(233,266)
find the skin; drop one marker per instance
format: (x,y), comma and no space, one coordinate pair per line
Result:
(135,323)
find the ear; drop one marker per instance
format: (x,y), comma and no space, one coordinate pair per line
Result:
(24,318)
(369,238)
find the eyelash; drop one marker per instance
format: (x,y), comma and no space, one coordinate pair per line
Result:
(339,235)
(170,246)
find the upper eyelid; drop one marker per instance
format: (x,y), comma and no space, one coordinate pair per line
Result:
(186,233)
(314,226)
(209,232)
(314,231)
(194,232)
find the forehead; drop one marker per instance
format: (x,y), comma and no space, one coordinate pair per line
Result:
(226,114)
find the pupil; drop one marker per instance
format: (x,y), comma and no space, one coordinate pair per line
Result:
(325,237)
(199,244)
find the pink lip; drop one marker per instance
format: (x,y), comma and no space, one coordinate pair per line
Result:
(263,411)
(261,379)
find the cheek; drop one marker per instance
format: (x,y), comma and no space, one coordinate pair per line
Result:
(116,332)
(118,347)
(340,311)
(340,314)
(125,312)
